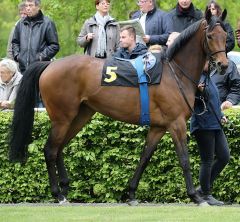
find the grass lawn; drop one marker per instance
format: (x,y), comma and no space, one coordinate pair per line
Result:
(117,213)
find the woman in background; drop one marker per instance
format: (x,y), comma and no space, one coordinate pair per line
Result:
(10,79)
(217,11)
(100,34)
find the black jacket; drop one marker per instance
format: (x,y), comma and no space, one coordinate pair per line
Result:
(34,39)
(228,84)
(230,37)
(140,49)
(182,19)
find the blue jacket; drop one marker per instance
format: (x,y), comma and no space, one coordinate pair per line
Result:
(209,120)
(157,26)
(140,49)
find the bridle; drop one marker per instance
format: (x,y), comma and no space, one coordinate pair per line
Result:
(210,55)
(206,46)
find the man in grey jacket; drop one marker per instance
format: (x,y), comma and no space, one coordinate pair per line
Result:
(154,22)
(35,37)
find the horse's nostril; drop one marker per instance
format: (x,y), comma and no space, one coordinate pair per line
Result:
(222,65)
(219,64)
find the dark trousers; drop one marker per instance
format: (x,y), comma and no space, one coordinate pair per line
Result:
(214,154)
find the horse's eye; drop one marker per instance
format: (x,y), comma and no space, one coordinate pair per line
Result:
(209,36)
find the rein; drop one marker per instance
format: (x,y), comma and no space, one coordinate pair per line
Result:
(181,88)
(179,84)
(188,76)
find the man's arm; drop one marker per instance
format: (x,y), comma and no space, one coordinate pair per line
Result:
(16,42)
(233,85)
(52,46)
(166,26)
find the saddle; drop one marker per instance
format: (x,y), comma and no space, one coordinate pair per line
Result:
(121,72)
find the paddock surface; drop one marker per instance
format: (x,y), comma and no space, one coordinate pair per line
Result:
(109,204)
(117,212)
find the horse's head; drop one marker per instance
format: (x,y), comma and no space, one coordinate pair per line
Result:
(215,41)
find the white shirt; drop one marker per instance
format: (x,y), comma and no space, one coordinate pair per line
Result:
(143,21)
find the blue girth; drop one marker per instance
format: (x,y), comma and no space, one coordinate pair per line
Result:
(143,87)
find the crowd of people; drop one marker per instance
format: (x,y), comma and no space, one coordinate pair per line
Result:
(34,38)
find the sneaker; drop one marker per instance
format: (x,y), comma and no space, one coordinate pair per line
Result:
(212,201)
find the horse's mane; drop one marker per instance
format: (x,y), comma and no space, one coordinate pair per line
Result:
(182,39)
(188,33)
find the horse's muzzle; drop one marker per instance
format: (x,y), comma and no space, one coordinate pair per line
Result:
(221,67)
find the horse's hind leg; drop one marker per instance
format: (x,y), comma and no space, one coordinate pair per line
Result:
(51,150)
(63,177)
(84,115)
(153,138)
(179,135)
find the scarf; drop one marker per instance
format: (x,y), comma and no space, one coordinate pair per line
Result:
(186,12)
(102,36)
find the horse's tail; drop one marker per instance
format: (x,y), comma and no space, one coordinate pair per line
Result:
(22,123)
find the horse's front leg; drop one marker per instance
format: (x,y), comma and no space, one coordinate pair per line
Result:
(153,137)
(179,135)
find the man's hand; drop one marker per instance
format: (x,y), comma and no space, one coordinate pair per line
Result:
(89,36)
(146,38)
(224,120)
(4,104)
(201,87)
(226,105)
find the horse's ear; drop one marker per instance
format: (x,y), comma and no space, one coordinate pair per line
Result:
(208,15)
(224,14)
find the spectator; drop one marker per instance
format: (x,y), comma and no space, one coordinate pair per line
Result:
(22,14)
(100,34)
(228,85)
(217,11)
(9,83)
(129,49)
(154,22)
(211,140)
(184,15)
(238,33)
(35,37)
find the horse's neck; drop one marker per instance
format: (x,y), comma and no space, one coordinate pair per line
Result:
(191,58)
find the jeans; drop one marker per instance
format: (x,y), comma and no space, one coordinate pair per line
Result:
(214,154)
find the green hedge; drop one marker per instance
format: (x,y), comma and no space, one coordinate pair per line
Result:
(102,158)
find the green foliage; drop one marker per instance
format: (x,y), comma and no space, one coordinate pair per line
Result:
(102,158)
(70,15)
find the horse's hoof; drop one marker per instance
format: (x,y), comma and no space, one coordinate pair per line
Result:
(204,204)
(133,203)
(63,201)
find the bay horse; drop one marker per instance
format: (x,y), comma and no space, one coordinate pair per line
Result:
(72,93)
